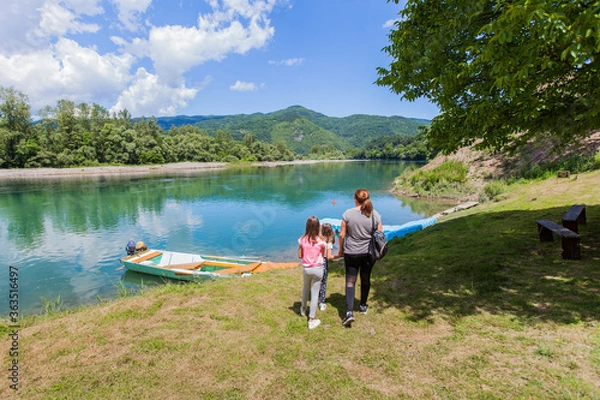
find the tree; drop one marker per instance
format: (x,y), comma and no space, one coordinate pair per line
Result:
(504,72)
(67,130)
(15,114)
(15,126)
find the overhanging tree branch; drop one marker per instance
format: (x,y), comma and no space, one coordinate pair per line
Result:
(499,70)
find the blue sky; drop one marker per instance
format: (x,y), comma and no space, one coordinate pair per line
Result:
(202,57)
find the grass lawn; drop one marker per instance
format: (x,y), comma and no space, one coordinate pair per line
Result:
(475,307)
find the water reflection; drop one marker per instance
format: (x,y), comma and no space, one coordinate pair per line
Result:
(67,235)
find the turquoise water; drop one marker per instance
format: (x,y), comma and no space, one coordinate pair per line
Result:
(66,236)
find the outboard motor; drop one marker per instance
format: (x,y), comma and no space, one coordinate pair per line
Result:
(130,248)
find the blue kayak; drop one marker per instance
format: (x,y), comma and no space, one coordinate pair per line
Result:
(391,231)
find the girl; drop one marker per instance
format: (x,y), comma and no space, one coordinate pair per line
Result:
(311,249)
(329,237)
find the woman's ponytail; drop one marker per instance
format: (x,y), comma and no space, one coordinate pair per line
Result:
(364,200)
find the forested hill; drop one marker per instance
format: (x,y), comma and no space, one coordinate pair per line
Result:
(301,128)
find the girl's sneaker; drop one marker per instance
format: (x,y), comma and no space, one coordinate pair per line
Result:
(349,319)
(314,323)
(363,308)
(322,306)
(303,311)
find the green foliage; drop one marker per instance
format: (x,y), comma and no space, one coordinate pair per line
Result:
(302,135)
(409,148)
(492,190)
(502,73)
(124,291)
(575,164)
(325,152)
(71,135)
(446,180)
(52,307)
(294,122)
(15,127)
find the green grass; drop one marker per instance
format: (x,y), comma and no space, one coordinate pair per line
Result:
(475,307)
(52,307)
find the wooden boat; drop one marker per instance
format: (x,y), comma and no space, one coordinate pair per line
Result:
(190,267)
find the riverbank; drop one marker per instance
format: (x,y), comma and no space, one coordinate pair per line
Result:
(138,170)
(472,307)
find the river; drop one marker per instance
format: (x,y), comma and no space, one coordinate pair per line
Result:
(65,236)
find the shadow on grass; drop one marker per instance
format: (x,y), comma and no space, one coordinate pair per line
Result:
(333,300)
(492,262)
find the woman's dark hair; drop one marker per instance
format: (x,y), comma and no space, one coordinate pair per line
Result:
(364,200)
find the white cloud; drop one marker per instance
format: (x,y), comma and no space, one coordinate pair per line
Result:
(289,62)
(175,49)
(87,7)
(43,53)
(29,24)
(130,12)
(147,95)
(65,71)
(240,86)
(57,21)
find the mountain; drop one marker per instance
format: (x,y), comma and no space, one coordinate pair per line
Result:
(301,128)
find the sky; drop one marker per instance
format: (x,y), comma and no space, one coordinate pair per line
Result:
(203,57)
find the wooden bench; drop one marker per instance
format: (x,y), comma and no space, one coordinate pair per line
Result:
(575,215)
(570,239)
(147,256)
(188,266)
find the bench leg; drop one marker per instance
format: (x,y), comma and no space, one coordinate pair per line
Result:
(545,234)
(582,218)
(571,225)
(570,249)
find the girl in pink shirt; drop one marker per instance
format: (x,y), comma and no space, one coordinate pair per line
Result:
(311,249)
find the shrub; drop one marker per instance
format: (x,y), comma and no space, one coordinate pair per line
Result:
(446,180)
(230,158)
(492,190)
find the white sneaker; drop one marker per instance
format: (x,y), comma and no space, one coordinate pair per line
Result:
(322,306)
(314,323)
(303,311)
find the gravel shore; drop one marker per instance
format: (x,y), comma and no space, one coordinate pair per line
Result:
(130,170)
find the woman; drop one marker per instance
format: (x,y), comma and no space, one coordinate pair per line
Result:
(355,236)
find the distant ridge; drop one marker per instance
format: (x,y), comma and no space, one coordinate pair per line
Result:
(300,128)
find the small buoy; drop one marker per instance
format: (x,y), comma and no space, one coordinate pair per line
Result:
(333,202)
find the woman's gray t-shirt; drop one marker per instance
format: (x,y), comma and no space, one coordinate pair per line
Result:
(359,229)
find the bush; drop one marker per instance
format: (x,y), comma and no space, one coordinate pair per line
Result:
(492,190)
(230,159)
(446,174)
(446,180)
(575,163)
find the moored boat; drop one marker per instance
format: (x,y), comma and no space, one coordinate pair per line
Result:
(190,267)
